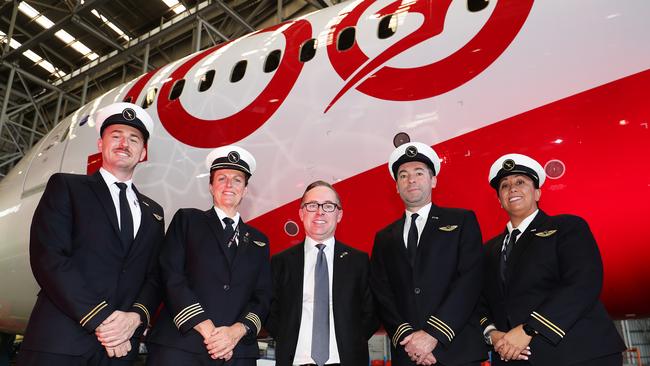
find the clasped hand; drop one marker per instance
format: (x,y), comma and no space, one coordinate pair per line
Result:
(513,345)
(419,346)
(115,332)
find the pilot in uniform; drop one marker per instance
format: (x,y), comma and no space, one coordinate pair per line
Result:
(216,273)
(543,277)
(426,270)
(94,249)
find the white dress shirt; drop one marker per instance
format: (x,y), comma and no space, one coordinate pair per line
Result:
(303,348)
(423,213)
(235,219)
(134,204)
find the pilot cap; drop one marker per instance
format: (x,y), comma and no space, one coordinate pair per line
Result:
(413,151)
(124,114)
(511,164)
(231,157)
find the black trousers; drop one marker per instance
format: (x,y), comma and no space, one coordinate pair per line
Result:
(96,357)
(169,356)
(610,360)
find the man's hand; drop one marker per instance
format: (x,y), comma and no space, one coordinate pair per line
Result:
(496,336)
(419,346)
(514,344)
(205,328)
(117,328)
(120,350)
(223,340)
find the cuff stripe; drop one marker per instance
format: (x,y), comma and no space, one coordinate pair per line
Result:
(188,309)
(548,324)
(441,330)
(144,309)
(403,328)
(92,313)
(483,320)
(189,316)
(255,320)
(443,324)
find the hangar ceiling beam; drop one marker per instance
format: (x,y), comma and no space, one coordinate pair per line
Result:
(80,9)
(12,24)
(234,15)
(40,81)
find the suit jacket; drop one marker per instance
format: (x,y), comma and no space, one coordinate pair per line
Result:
(82,267)
(439,293)
(354,319)
(553,279)
(201,283)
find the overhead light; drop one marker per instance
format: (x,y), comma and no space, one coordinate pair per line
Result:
(33,56)
(175,6)
(113,27)
(64,36)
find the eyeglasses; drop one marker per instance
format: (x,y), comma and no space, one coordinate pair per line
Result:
(326,206)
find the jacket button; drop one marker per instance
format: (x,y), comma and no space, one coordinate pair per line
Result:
(226,287)
(417,290)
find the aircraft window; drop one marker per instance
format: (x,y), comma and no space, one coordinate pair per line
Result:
(387,26)
(477,5)
(238,71)
(346,39)
(308,50)
(272,61)
(401,138)
(177,89)
(206,80)
(128,99)
(149,98)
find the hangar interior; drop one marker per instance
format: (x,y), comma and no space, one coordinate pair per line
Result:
(56,55)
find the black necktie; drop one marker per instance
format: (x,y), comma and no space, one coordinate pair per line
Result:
(126,218)
(505,253)
(228,237)
(412,241)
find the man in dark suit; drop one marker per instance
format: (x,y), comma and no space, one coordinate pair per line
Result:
(426,270)
(322,309)
(543,277)
(94,251)
(217,276)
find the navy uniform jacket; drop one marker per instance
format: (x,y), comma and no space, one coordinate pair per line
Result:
(200,283)
(352,302)
(440,293)
(78,259)
(553,281)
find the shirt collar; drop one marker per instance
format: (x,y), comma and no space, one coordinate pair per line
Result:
(310,244)
(422,212)
(110,179)
(524,224)
(222,214)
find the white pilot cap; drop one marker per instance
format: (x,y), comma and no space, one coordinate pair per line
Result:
(510,164)
(231,157)
(413,151)
(124,114)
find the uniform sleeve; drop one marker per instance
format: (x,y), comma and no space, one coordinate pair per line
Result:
(183,304)
(149,298)
(51,250)
(457,307)
(396,326)
(369,320)
(260,300)
(581,279)
(483,308)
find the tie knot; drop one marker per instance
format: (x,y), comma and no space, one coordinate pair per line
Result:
(228,221)
(414,216)
(320,247)
(121,185)
(515,233)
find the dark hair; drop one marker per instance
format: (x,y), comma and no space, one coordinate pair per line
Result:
(247,176)
(320,183)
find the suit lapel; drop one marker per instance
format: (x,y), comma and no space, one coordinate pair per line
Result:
(426,243)
(297,265)
(146,218)
(399,248)
(243,242)
(98,185)
(213,222)
(523,242)
(495,260)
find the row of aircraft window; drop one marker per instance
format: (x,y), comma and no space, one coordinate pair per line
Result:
(345,41)
(386,28)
